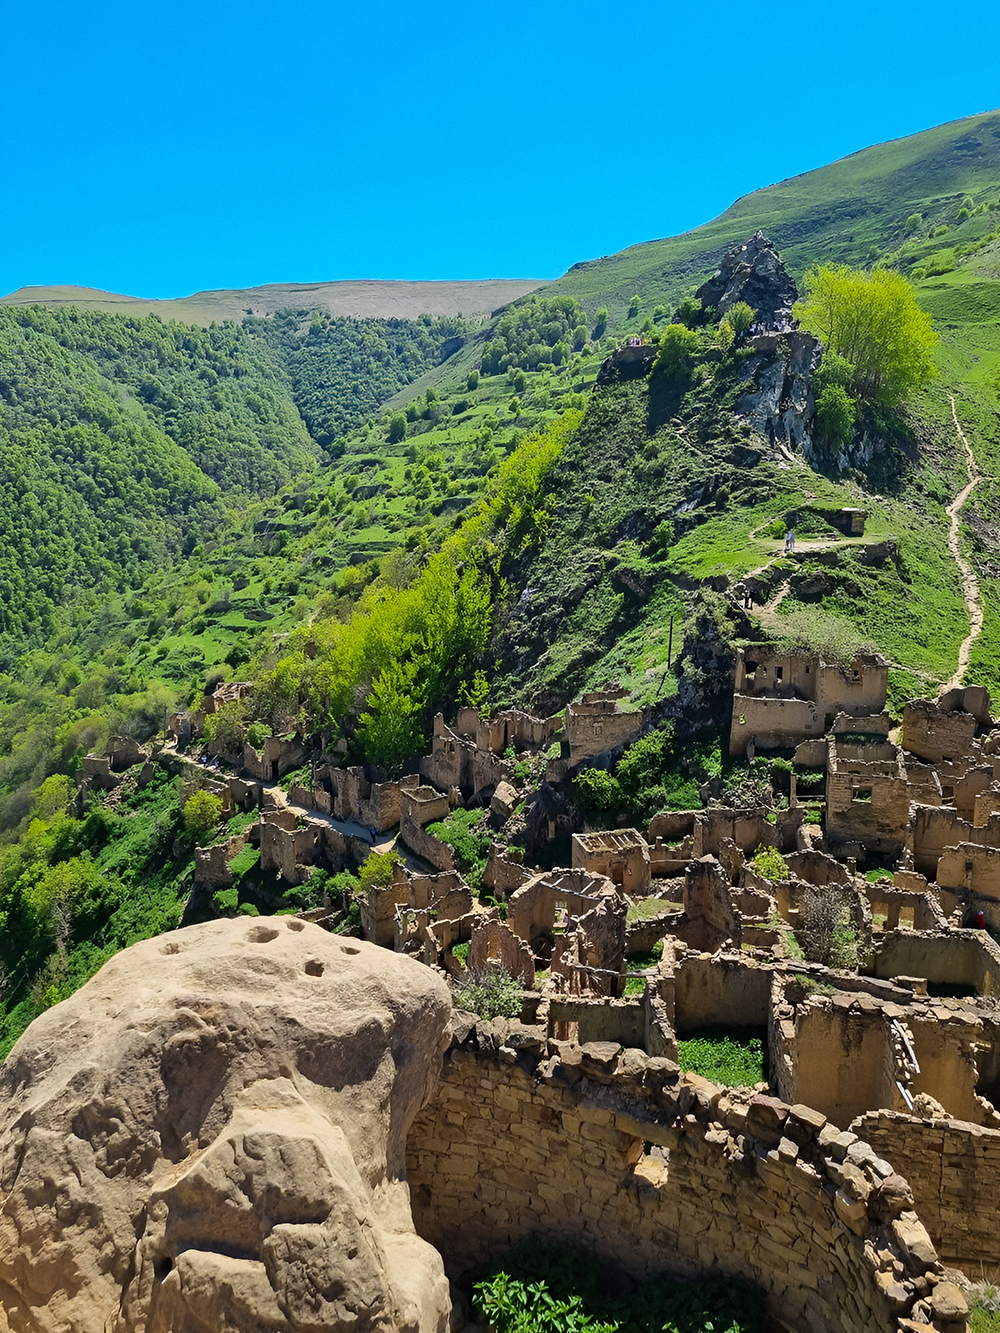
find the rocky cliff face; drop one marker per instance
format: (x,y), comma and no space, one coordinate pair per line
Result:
(210,1136)
(779,400)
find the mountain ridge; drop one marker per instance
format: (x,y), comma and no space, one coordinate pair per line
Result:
(366,298)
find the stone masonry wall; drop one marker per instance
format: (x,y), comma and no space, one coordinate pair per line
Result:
(514,1145)
(953,1169)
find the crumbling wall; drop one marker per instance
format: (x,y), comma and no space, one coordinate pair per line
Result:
(506,1150)
(709,916)
(501,874)
(954,957)
(953,1168)
(595,724)
(933,733)
(620,854)
(933,828)
(211,864)
(720,992)
(419,806)
(971,866)
(457,761)
(495,945)
(771,724)
(533,909)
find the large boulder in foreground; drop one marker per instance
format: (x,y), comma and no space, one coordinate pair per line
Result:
(209,1136)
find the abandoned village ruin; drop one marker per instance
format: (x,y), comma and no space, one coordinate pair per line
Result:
(844,1185)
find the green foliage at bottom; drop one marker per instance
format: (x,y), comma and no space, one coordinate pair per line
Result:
(541,1288)
(984,1308)
(734,1058)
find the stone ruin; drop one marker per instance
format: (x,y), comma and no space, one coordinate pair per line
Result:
(889,1053)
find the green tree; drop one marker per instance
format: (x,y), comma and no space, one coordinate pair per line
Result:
(691,312)
(633,306)
(202,812)
(873,321)
(769,863)
(913,223)
(835,414)
(376,871)
(601,322)
(397,428)
(472,380)
(675,357)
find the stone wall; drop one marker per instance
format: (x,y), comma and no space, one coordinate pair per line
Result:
(621,854)
(971,866)
(211,864)
(501,874)
(933,734)
(514,1144)
(595,724)
(419,806)
(770,724)
(956,957)
(953,1168)
(720,992)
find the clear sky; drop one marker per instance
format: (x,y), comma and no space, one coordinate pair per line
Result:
(159,149)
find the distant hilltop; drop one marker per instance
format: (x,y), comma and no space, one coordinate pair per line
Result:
(362,299)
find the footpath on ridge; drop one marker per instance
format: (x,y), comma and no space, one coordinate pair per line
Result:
(970,584)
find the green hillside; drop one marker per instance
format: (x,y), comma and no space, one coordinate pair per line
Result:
(373,518)
(850,211)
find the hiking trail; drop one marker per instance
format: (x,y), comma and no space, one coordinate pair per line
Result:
(970,584)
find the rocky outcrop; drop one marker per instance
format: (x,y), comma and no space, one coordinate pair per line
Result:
(779,401)
(752,272)
(210,1135)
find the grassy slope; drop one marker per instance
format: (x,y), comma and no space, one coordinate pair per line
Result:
(839,212)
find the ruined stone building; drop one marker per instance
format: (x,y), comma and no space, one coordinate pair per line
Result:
(782,700)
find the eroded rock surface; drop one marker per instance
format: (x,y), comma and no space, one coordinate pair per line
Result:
(209,1138)
(752,272)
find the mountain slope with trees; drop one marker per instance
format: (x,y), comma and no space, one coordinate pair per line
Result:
(373,520)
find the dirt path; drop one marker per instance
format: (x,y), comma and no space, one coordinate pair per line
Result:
(970,584)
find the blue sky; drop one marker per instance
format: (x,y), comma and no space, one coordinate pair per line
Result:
(162,149)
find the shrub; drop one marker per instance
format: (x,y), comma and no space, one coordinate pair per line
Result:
(257,734)
(543,1288)
(489,992)
(739,317)
(737,1062)
(598,792)
(769,863)
(376,872)
(471,844)
(827,934)
(202,812)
